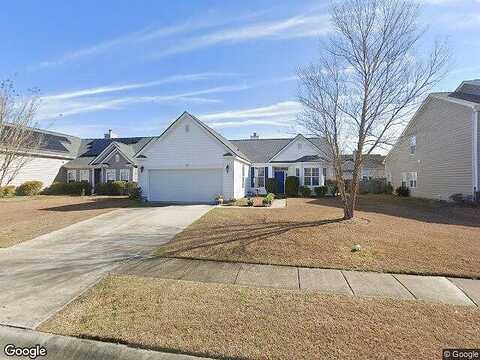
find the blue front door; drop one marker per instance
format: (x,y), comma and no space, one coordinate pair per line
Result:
(280,179)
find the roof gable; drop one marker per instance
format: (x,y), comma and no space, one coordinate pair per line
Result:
(297,148)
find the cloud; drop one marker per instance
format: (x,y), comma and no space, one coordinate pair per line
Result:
(116,88)
(293,27)
(282,114)
(61,107)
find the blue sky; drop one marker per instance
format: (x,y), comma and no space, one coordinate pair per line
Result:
(135,66)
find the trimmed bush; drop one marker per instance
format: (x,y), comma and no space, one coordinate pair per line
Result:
(7,191)
(320,191)
(271,185)
(111,188)
(373,186)
(403,191)
(267,200)
(291,186)
(71,188)
(29,188)
(305,191)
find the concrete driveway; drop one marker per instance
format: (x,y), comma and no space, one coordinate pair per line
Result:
(39,277)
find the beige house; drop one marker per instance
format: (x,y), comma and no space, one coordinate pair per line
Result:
(438,153)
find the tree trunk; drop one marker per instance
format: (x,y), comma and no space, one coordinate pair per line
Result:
(348,208)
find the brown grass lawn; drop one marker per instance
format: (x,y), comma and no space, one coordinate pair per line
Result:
(396,234)
(24,218)
(231,322)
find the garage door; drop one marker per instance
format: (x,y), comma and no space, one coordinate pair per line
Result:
(185,185)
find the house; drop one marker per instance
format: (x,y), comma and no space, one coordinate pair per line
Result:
(66,158)
(373,167)
(438,153)
(188,162)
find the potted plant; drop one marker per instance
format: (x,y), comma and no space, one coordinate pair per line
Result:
(219,199)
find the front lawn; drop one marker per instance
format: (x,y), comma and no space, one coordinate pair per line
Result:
(24,218)
(227,321)
(396,235)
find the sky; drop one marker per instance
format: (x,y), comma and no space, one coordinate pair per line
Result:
(135,66)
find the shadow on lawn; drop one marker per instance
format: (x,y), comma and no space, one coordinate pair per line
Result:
(245,234)
(95,204)
(429,211)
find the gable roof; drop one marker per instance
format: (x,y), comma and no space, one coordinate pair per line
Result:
(227,143)
(263,150)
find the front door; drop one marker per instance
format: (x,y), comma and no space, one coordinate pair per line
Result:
(98,175)
(280,180)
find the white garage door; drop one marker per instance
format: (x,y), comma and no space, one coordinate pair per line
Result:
(185,185)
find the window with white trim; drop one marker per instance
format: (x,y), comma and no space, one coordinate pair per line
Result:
(413,144)
(110,175)
(71,175)
(124,174)
(366,175)
(404,180)
(85,175)
(412,180)
(311,176)
(117,158)
(260,177)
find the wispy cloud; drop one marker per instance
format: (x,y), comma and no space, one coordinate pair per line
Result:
(53,108)
(281,114)
(124,87)
(293,27)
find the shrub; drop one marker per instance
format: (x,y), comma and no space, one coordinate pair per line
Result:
(71,188)
(305,191)
(112,188)
(332,187)
(29,188)
(403,191)
(271,185)
(389,188)
(7,191)
(373,186)
(135,194)
(291,186)
(320,191)
(267,200)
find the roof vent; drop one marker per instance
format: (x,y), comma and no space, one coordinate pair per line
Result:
(254,136)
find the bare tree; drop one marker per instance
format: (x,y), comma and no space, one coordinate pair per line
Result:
(367,81)
(17,140)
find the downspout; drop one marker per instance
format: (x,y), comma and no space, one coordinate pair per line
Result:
(475,153)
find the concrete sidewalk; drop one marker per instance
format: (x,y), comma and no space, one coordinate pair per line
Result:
(71,348)
(435,289)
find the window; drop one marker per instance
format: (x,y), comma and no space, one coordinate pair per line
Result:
(110,175)
(187,128)
(311,176)
(71,175)
(404,180)
(366,175)
(324,172)
(413,144)
(85,175)
(412,180)
(124,174)
(117,158)
(260,177)
(297,172)
(243,176)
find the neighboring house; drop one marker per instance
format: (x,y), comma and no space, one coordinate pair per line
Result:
(373,167)
(438,153)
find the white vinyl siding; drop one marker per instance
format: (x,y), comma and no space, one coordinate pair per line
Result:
(84,175)
(412,180)
(71,175)
(404,180)
(124,174)
(311,177)
(413,144)
(243,176)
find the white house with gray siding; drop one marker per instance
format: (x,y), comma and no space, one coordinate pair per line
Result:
(438,153)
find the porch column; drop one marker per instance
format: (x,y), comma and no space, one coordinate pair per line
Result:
(270,171)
